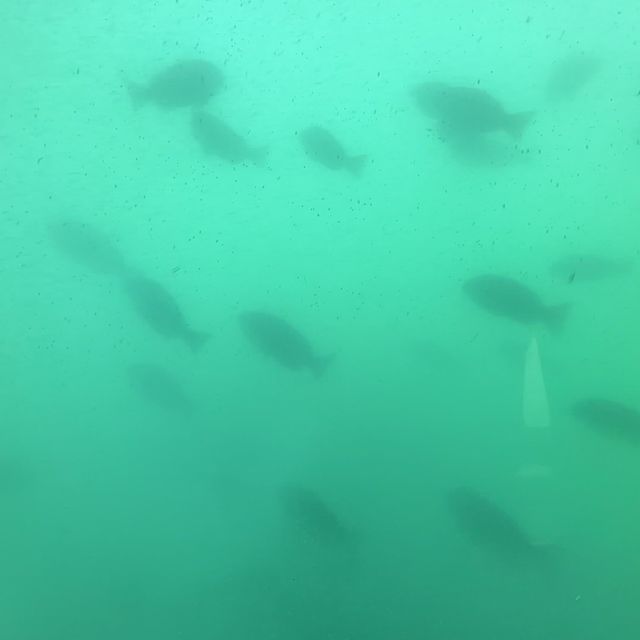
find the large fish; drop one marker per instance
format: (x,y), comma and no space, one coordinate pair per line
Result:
(159,309)
(610,418)
(159,387)
(489,526)
(324,148)
(506,297)
(217,138)
(468,111)
(277,339)
(587,267)
(188,83)
(87,246)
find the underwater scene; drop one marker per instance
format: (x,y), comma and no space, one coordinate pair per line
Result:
(320,320)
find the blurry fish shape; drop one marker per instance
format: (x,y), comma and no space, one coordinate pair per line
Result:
(610,418)
(589,268)
(489,526)
(159,309)
(217,138)
(323,147)
(570,75)
(434,355)
(468,111)
(308,511)
(508,298)
(161,388)
(187,83)
(282,342)
(87,245)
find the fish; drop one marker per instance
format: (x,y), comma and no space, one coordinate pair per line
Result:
(468,111)
(217,138)
(508,298)
(282,342)
(159,309)
(87,245)
(159,387)
(314,517)
(186,83)
(569,75)
(491,527)
(323,147)
(610,418)
(589,268)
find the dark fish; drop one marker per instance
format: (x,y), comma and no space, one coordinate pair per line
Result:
(314,517)
(87,246)
(188,83)
(277,339)
(511,299)
(325,149)
(158,386)
(585,268)
(219,139)
(610,418)
(489,526)
(154,304)
(570,75)
(467,111)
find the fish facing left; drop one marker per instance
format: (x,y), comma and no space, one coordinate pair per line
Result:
(160,387)
(610,418)
(186,83)
(217,138)
(160,310)
(506,297)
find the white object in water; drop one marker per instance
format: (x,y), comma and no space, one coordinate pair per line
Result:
(535,405)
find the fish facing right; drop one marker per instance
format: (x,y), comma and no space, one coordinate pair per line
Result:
(279,340)
(323,147)
(509,298)
(610,418)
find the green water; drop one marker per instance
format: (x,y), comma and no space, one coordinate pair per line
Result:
(122,517)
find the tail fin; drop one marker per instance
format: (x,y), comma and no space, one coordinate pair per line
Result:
(320,365)
(556,316)
(196,339)
(259,156)
(517,123)
(137,93)
(355,164)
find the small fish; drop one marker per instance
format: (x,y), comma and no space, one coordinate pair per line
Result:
(324,148)
(489,526)
(87,246)
(570,75)
(156,385)
(277,339)
(589,268)
(506,297)
(188,83)
(468,111)
(610,418)
(154,304)
(219,139)
(308,511)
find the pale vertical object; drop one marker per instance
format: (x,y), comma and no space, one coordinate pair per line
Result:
(535,405)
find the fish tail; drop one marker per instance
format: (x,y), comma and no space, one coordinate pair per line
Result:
(355,164)
(137,93)
(320,365)
(259,156)
(196,339)
(556,317)
(517,123)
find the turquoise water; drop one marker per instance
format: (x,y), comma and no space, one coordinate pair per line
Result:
(230,494)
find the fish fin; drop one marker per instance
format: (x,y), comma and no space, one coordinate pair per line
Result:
(196,339)
(517,123)
(556,316)
(320,365)
(259,156)
(137,93)
(355,164)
